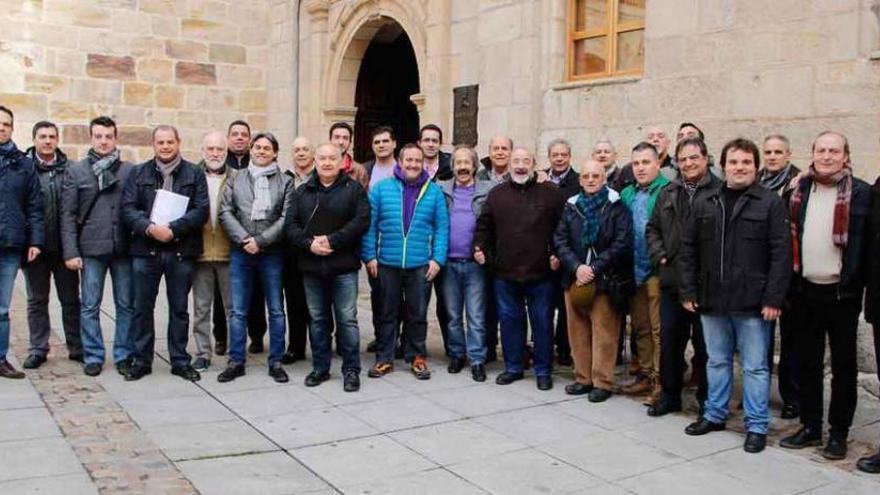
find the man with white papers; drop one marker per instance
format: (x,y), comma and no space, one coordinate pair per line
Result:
(166,241)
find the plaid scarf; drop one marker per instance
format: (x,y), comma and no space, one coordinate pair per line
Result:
(840,232)
(101,166)
(590,206)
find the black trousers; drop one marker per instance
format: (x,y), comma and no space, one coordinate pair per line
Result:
(677,326)
(788,372)
(824,314)
(442,315)
(560,334)
(256,315)
(38,277)
(297,311)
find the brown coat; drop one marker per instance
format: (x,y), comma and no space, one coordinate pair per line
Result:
(215,240)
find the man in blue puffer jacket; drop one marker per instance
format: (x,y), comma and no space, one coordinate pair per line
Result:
(404,249)
(21,225)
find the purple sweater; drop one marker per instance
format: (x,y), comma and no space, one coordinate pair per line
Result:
(462,223)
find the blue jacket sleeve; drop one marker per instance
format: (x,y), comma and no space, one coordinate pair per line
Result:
(368,244)
(34,211)
(441,227)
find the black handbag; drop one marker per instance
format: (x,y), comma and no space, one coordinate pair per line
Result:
(619,288)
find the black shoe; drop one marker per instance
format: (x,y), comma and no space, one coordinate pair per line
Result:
(805,437)
(138,371)
(231,372)
(544,382)
(33,362)
(278,374)
(314,379)
(564,360)
(755,442)
(599,395)
(703,426)
(123,366)
(790,411)
(92,369)
(256,347)
(508,378)
(201,364)
(186,372)
(663,407)
(835,449)
(220,348)
(478,373)
(372,345)
(76,356)
(578,388)
(351,382)
(288,357)
(870,464)
(455,365)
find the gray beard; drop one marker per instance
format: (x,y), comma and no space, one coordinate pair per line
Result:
(520,179)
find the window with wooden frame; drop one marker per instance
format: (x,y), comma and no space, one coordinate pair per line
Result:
(606,38)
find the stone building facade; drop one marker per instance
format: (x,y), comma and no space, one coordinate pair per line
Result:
(735,67)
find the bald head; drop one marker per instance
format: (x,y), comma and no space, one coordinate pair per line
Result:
(214,150)
(657,136)
(499,153)
(522,163)
(328,163)
(303,154)
(592,176)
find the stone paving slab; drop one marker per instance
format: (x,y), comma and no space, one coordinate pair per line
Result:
(36,458)
(264,474)
(68,484)
(397,435)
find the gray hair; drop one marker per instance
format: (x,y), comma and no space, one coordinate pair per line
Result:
(606,141)
(778,137)
(472,154)
(557,142)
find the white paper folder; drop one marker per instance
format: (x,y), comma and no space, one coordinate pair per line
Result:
(168,207)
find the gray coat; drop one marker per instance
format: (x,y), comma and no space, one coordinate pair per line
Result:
(480,194)
(235,210)
(97,231)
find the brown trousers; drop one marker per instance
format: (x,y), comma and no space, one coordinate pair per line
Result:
(593,335)
(645,321)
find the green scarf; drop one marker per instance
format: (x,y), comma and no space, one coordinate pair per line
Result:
(654,188)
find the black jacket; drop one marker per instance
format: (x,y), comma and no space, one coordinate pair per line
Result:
(515,230)
(51,180)
(621,177)
(613,248)
(741,265)
(137,203)
(668,222)
(21,203)
(570,185)
(233,163)
(341,212)
(857,258)
(91,223)
(872,295)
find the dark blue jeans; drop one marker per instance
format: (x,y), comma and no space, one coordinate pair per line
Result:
(94,273)
(328,297)
(9,261)
(148,272)
(512,299)
(409,286)
(464,291)
(243,268)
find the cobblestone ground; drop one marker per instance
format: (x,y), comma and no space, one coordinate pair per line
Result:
(64,432)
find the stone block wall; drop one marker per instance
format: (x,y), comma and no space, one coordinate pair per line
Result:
(195,64)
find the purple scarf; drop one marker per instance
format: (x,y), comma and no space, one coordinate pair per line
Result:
(410,195)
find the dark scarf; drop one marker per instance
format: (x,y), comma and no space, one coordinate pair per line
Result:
(102,167)
(167,171)
(775,181)
(590,206)
(411,191)
(840,231)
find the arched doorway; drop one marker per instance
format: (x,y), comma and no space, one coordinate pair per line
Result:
(388,76)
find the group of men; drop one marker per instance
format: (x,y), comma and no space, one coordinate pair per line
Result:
(690,251)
